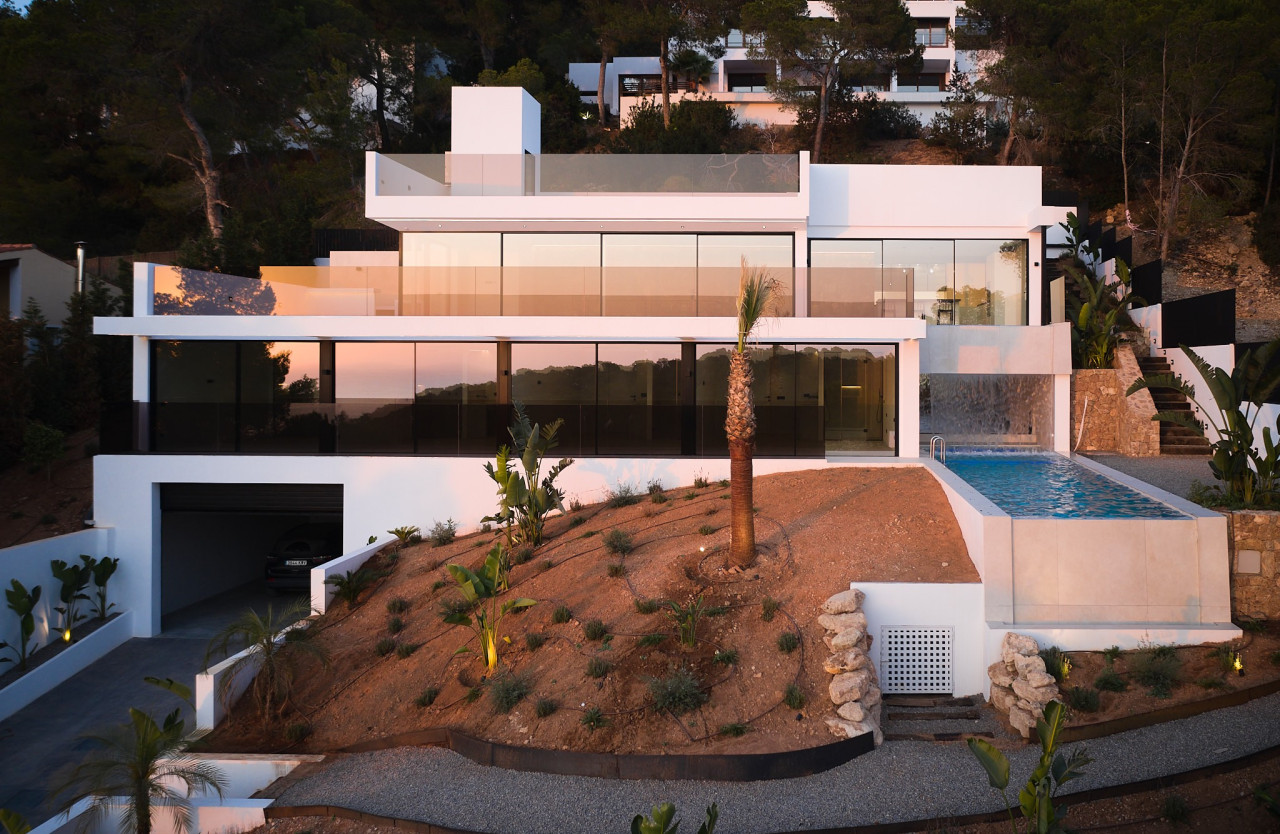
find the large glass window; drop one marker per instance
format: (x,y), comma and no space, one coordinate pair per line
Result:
(638,391)
(452,274)
(558,381)
(280,407)
(374,384)
(194,396)
(456,398)
(848,278)
(720,270)
(774,390)
(551,275)
(931,31)
(991,278)
(854,389)
(650,275)
(926,266)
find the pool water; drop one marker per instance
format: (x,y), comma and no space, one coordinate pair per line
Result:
(1030,485)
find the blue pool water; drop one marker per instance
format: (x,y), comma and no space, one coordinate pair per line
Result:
(1030,485)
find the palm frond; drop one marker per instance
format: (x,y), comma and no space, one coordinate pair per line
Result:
(755,295)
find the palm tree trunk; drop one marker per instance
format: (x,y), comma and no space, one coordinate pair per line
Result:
(740,428)
(142,809)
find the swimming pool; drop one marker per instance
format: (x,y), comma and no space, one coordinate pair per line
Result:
(1047,485)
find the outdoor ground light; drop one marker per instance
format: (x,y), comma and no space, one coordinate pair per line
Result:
(66,635)
(1238,664)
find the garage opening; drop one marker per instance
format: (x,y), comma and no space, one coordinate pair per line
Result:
(216,538)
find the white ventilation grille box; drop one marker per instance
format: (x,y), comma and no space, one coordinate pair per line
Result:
(915,659)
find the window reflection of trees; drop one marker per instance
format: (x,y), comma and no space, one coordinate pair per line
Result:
(214,294)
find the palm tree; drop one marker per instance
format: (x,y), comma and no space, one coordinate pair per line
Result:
(755,292)
(140,763)
(277,652)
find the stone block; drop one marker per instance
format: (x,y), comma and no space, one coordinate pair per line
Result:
(845,602)
(1035,694)
(999,674)
(1017,644)
(1002,698)
(849,660)
(872,697)
(1041,679)
(841,622)
(849,686)
(843,729)
(1022,721)
(852,711)
(850,638)
(1248,561)
(1024,665)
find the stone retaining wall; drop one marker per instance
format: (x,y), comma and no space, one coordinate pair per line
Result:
(1255,563)
(1114,422)
(855,686)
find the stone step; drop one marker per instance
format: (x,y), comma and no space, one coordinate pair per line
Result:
(956,736)
(1184,450)
(916,714)
(931,701)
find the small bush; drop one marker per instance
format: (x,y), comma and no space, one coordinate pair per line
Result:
(443,532)
(454,605)
(700,481)
(1056,663)
(589,534)
(1157,668)
(723,483)
(794,697)
(1275,658)
(707,530)
(546,565)
(654,487)
(726,657)
(658,497)
(1109,680)
(647,606)
(617,570)
(618,542)
(598,667)
(521,555)
(546,707)
(1175,809)
(405,649)
(575,505)
(1249,625)
(768,608)
(473,694)
(395,625)
(623,495)
(650,640)
(507,691)
(677,693)
(385,647)
(297,731)
(689,496)
(1225,655)
(593,719)
(397,605)
(712,511)
(716,611)
(534,640)
(437,585)
(1211,682)
(349,586)
(561,615)
(576,520)
(428,697)
(788,642)
(1083,698)
(734,730)
(594,629)
(1111,655)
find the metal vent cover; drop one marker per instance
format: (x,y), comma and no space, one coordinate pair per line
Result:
(915,659)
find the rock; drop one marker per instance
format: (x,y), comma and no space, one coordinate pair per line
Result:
(849,660)
(849,686)
(852,711)
(999,674)
(1017,644)
(1025,665)
(1002,698)
(1022,721)
(840,622)
(872,697)
(867,725)
(843,729)
(848,639)
(874,712)
(1035,694)
(845,602)
(1039,679)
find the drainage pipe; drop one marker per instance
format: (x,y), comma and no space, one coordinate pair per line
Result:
(1080,434)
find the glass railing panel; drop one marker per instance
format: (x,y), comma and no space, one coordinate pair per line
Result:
(859,292)
(668,173)
(452,291)
(194,427)
(379,427)
(718,291)
(640,291)
(285,428)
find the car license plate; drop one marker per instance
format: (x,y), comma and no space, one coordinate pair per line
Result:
(296,563)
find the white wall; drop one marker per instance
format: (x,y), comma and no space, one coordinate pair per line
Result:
(42,277)
(974,349)
(495,120)
(958,606)
(29,564)
(1218,356)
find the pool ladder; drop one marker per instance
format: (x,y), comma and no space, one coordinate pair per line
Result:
(940,443)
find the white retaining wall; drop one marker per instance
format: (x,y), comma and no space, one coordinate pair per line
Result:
(41,679)
(321,593)
(218,687)
(956,606)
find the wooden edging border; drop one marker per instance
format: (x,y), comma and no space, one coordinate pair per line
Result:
(930,824)
(744,767)
(1084,732)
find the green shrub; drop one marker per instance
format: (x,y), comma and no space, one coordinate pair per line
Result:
(437,585)
(546,707)
(443,532)
(521,555)
(598,667)
(405,649)
(677,693)
(654,487)
(700,481)
(1109,680)
(689,496)
(399,605)
(1249,625)
(716,610)
(594,630)
(1211,682)
(768,608)
(659,498)
(546,565)
(647,606)
(593,719)
(1175,809)
(473,694)
(42,447)
(1083,698)
(395,625)
(588,534)
(428,697)
(507,691)
(534,640)
(404,535)
(734,730)
(1225,655)
(561,615)
(707,530)
(623,495)
(385,647)
(453,606)
(1158,669)
(618,542)
(794,697)
(788,642)
(617,570)
(1275,658)
(650,640)
(577,520)
(726,657)
(1111,655)
(352,584)
(1056,663)
(297,731)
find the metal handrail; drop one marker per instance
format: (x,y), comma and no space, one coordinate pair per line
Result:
(940,443)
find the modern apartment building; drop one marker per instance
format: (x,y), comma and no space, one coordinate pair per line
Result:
(593,288)
(740,77)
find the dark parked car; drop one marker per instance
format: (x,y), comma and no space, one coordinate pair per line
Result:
(298,551)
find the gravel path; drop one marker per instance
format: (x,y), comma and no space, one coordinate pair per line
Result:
(903,780)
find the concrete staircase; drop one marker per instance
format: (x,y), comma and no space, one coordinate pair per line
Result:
(1174,439)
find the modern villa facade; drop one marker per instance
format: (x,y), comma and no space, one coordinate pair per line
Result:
(739,77)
